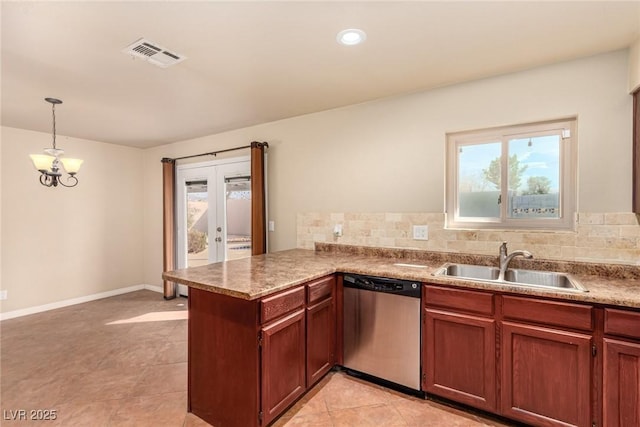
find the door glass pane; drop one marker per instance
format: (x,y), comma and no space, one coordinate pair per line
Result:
(534,177)
(479,180)
(238,217)
(197,223)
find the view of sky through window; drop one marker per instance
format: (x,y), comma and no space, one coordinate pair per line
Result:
(537,157)
(541,156)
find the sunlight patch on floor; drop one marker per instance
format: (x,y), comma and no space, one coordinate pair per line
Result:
(155,316)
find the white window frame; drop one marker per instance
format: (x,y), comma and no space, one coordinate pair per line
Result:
(566,128)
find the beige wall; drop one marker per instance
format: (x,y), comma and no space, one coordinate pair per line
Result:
(388,155)
(1,239)
(634,67)
(377,157)
(65,243)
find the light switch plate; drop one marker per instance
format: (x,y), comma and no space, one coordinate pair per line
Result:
(3,295)
(272,226)
(420,232)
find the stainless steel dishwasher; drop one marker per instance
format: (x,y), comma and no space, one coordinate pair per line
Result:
(382,329)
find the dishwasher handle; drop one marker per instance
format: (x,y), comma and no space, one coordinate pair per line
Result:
(382,284)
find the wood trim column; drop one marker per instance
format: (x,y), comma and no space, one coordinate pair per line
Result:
(258,199)
(168,224)
(636,152)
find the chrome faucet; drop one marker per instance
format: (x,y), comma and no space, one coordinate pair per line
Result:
(505,258)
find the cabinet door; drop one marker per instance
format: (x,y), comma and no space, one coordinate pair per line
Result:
(321,341)
(283,364)
(460,358)
(546,375)
(621,383)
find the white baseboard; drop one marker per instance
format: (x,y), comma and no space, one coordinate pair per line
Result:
(154,288)
(73,301)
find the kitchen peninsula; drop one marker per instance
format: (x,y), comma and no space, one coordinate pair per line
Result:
(264,329)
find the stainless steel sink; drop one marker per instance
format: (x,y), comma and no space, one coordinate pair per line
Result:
(543,278)
(513,277)
(478,272)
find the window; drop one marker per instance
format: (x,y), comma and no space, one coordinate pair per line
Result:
(515,177)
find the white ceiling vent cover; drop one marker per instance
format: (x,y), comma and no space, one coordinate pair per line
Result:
(153,53)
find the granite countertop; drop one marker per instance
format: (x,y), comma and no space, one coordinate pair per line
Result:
(261,275)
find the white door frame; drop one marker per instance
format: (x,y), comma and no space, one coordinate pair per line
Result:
(214,172)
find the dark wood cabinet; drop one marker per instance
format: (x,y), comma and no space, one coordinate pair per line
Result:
(321,328)
(621,372)
(249,360)
(541,361)
(546,375)
(528,359)
(547,352)
(320,339)
(621,383)
(224,359)
(283,364)
(459,356)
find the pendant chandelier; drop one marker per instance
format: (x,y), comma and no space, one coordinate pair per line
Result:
(49,164)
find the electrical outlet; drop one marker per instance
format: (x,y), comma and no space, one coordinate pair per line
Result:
(337,230)
(420,232)
(3,295)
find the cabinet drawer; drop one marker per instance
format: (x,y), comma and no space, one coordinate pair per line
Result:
(320,289)
(622,322)
(278,305)
(460,299)
(548,312)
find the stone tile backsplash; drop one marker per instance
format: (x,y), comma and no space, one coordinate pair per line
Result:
(599,237)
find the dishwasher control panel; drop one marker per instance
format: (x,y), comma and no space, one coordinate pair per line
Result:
(382,284)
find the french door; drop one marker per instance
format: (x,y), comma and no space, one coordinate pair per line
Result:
(213,212)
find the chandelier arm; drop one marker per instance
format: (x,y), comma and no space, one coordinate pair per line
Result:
(45,180)
(71,177)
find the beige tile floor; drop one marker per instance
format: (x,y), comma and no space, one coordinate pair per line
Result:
(122,361)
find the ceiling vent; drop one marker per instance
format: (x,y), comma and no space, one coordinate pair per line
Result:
(153,53)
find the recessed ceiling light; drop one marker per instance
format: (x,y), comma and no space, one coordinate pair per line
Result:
(351,37)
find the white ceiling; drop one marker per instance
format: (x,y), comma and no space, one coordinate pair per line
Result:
(255,62)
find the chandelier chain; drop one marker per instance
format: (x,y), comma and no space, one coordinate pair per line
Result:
(53,109)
